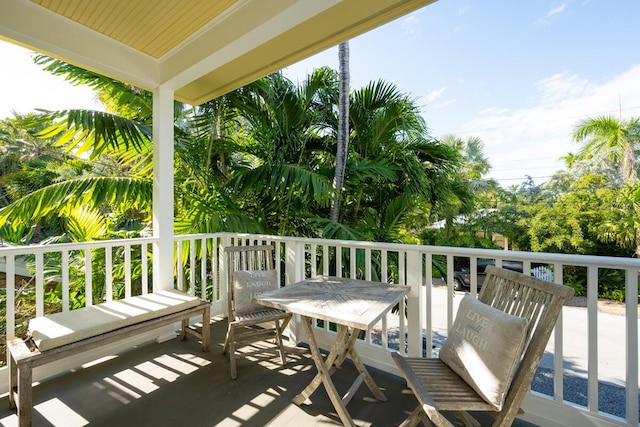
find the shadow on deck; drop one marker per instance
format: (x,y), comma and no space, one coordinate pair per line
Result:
(175,384)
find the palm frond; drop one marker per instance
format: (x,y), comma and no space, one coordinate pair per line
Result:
(93,132)
(63,197)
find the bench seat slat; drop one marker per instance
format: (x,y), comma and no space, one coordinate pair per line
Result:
(58,329)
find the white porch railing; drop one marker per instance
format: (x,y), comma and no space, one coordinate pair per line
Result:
(591,354)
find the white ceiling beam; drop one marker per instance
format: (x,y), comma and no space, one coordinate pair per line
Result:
(37,28)
(289,18)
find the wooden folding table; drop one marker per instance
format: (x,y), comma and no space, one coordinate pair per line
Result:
(354,306)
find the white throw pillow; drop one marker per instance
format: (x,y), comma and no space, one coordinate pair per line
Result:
(247,284)
(484,347)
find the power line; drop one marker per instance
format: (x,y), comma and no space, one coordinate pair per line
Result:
(522,178)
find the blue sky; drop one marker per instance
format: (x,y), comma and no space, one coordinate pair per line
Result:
(517,74)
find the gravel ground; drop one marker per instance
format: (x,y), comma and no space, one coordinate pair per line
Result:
(611,397)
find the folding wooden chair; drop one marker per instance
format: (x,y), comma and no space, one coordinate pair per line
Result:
(250,271)
(491,353)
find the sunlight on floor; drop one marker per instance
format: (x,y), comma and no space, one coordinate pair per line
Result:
(59,414)
(147,377)
(252,408)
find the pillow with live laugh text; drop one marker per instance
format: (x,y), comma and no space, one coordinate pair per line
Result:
(249,283)
(484,347)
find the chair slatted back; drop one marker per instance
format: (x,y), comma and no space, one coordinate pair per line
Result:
(245,258)
(538,301)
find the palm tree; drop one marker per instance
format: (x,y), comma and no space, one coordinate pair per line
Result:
(468,182)
(617,140)
(394,166)
(281,172)
(342,148)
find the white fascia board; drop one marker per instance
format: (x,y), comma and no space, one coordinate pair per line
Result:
(289,18)
(35,27)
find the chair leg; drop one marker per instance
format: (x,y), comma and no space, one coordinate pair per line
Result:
(283,357)
(467,419)
(226,340)
(232,353)
(415,417)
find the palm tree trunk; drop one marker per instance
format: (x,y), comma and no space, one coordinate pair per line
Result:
(343,130)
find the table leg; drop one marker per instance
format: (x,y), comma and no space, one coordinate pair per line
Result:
(324,376)
(328,364)
(351,352)
(368,379)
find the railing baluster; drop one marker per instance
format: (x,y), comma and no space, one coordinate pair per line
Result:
(192,267)
(631,329)
(65,280)
(10,275)
(145,268)
(127,271)
(39,284)
(427,310)
(353,261)
(592,322)
(203,269)
(450,291)
(108,273)
(558,344)
(402,327)
(473,272)
(325,259)
(88,278)
(314,260)
(179,276)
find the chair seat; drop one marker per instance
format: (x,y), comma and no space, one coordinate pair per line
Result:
(260,316)
(446,388)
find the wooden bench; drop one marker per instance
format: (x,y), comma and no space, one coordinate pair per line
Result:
(53,338)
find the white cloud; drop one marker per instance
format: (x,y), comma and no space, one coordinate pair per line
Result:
(530,141)
(556,10)
(464,9)
(434,95)
(410,25)
(448,102)
(562,86)
(493,110)
(553,12)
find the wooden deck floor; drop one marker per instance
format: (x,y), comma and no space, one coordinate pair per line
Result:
(175,384)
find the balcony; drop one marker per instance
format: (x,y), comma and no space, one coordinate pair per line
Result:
(589,375)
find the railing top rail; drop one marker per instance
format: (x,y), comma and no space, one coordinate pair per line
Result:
(57,247)
(542,257)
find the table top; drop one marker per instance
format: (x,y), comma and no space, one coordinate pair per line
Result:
(356,303)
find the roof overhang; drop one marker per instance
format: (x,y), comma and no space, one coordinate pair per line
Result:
(201,49)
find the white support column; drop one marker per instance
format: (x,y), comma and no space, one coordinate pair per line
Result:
(163,188)
(415,301)
(295,262)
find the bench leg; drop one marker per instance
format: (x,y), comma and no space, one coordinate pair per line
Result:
(13,381)
(24,395)
(206,328)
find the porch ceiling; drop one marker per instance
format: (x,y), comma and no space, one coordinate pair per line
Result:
(199,48)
